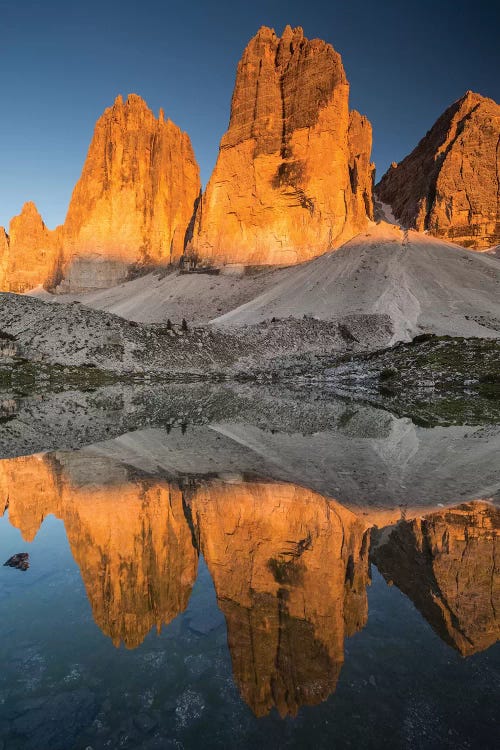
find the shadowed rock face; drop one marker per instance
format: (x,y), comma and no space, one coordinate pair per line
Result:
(448,185)
(290,570)
(447,564)
(135,198)
(293,177)
(30,254)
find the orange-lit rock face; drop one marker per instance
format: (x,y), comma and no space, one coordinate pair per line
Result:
(293,176)
(447,563)
(290,570)
(448,185)
(31,254)
(135,198)
(130,540)
(4,257)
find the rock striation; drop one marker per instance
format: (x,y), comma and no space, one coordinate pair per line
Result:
(293,177)
(133,205)
(31,254)
(448,185)
(134,201)
(447,564)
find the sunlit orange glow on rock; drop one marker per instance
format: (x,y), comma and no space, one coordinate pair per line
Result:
(293,177)
(31,254)
(135,198)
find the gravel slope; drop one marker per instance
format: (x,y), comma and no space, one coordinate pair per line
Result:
(421,283)
(158,297)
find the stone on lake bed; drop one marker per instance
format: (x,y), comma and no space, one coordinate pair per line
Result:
(21,561)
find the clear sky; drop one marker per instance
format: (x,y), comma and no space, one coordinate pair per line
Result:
(63,63)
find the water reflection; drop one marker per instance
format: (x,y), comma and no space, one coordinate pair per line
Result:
(290,566)
(448,564)
(290,570)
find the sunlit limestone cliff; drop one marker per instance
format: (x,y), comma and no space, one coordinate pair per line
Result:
(293,177)
(135,198)
(30,254)
(132,206)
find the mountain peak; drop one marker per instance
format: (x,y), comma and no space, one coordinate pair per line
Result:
(275,195)
(448,184)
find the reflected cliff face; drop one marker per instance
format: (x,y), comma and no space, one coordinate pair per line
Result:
(130,540)
(447,563)
(290,567)
(290,570)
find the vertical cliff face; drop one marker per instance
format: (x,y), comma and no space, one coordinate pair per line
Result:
(447,563)
(290,570)
(449,185)
(30,254)
(133,204)
(293,176)
(4,257)
(135,199)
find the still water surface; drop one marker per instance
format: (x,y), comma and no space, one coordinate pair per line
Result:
(178,597)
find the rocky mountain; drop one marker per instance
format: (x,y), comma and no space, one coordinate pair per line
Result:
(293,177)
(135,198)
(133,205)
(448,185)
(30,254)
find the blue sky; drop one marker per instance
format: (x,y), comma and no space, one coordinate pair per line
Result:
(63,63)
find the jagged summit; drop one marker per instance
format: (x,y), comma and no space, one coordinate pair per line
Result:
(30,252)
(448,185)
(132,205)
(135,197)
(293,177)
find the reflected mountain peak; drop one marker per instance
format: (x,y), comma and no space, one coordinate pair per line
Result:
(447,564)
(267,546)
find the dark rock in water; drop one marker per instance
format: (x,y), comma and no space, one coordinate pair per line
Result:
(21,561)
